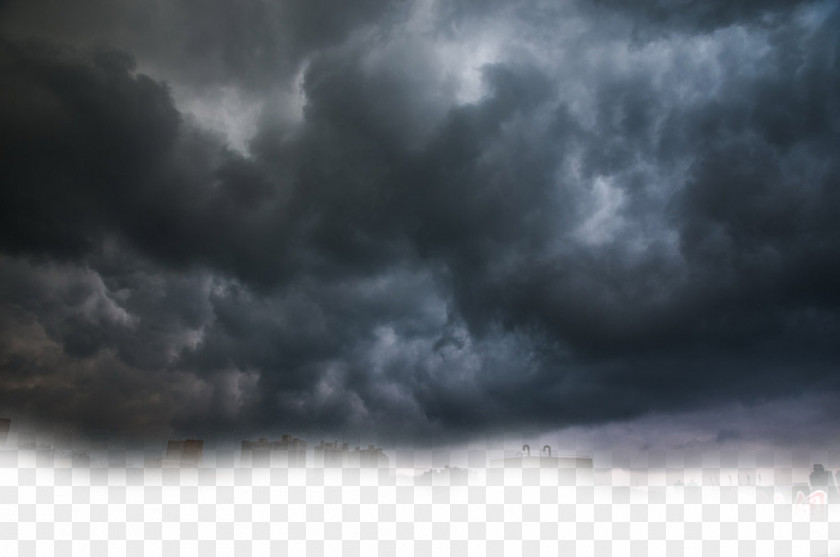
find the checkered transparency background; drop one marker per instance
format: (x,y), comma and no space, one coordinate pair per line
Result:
(54,506)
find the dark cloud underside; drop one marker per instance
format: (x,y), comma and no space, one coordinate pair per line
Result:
(445,220)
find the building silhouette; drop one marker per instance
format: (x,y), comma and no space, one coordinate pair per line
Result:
(821,478)
(331,454)
(544,459)
(185,453)
(445,476)
(5,426)
(288,451)
(335,454)
(371,457)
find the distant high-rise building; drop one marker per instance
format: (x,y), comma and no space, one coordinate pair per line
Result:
(822,478)
(372,457)
(186,453)
(174,448)
(193,451)
(256,453)
(5,426)
(331,454)
(544,460)
(288,451)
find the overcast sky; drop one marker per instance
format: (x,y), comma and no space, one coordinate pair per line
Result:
(421,219)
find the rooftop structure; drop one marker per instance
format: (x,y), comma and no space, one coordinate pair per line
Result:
(371,457)
(288,451)
(544,459)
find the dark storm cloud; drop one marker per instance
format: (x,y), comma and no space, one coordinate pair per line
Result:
(252,43)
(679,16)
(78,135)
(576,225)
(95,150)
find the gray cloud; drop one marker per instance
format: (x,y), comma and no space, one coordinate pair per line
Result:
(475,219)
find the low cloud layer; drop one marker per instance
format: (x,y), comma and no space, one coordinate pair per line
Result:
(415,219)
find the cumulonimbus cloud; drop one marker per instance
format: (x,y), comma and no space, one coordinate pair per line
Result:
(520,215)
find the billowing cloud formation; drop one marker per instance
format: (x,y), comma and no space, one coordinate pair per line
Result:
(415,218)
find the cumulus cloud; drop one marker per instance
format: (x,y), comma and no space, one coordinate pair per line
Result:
(418,218)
